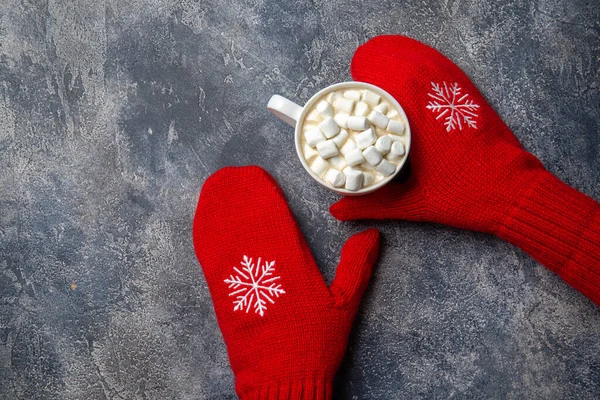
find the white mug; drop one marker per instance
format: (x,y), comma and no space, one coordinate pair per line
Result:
(295,115)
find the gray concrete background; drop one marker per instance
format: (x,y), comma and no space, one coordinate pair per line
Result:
(112,114)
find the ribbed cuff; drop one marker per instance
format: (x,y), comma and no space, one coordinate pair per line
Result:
(308,389)
(560,228)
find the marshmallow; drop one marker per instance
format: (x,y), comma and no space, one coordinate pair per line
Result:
(384,144)
(352,94)
(380,132)
(338,162)
(382,108)
(361,109)
(314,136)
(386,167)
(371,98)
(365,138)
(392,114)
(372,156)
(354,157)
(327,149)
(341,119)
(343,105)
(324,109)
(368,178)
(313,116)
(340,138)
(319,166)
(335,178)
(367,167)
(309,152)
(397,150)
(358,123)
(331,97)
(348,146)
(378,119)
(329,127)
(396,127)
(395,138)
(354,178)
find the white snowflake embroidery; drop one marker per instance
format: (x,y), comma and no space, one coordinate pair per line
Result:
(457,109)
(253,287)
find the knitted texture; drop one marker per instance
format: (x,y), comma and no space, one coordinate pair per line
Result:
(285,330)
(469,170)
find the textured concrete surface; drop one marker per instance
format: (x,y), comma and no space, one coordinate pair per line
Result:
(112,114)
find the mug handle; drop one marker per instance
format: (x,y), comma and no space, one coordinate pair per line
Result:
(284,109)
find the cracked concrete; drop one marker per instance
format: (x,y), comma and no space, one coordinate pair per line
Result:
(113,113)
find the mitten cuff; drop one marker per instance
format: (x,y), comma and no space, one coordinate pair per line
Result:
(560,228)
(306,389)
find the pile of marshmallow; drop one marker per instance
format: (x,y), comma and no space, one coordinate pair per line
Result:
(353,139)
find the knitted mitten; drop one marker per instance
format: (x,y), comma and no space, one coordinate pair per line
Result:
(469,170)
(285,330)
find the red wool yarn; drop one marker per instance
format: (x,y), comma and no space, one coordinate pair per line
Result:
(285,330)
(469,170)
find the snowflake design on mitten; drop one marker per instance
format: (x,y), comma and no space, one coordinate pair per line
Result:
(253,285)
(450,103)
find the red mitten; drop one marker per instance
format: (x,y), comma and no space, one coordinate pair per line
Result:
(469,170)
(285,330)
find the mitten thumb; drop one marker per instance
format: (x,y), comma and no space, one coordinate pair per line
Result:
(354,269)
(405,201)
